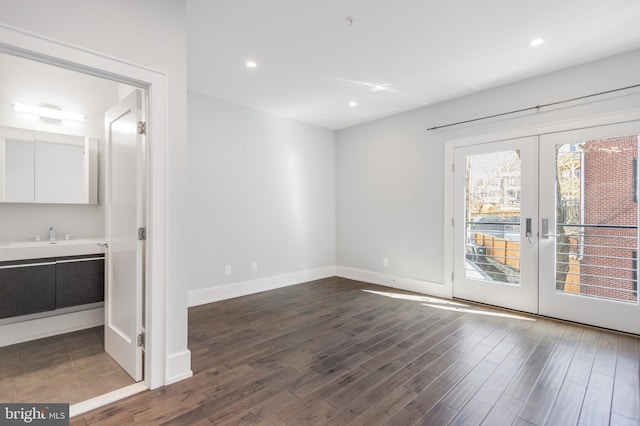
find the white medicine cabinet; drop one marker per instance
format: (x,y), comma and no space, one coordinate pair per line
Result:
(41,167)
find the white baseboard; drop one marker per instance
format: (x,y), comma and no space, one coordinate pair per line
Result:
(243,288)
(25,331)
(107,398)
(401,283)
(178,367)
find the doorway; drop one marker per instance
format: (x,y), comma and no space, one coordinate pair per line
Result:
(548,224)
(119,255)
(163,363)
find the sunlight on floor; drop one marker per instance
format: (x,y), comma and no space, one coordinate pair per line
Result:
(480,312)
(415,298)
(448,305)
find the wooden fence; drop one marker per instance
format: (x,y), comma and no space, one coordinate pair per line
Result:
(501,250)
(508,253)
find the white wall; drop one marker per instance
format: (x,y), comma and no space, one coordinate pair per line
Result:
(149,33)
(389,173)
(27,221)
(261,190)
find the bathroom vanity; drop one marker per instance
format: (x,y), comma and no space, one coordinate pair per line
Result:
(54,286)
(46,278)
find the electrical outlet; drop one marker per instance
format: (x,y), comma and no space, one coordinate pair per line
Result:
(228,270)
(385,261)
(254,266)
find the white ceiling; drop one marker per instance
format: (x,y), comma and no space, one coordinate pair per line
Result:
(397,55)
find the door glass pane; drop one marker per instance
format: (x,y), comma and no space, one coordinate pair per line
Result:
(597,218)
(492,212)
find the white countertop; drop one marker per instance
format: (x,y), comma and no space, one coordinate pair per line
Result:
(36,249)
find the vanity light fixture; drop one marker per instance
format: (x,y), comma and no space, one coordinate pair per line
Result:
(353,104)
(251,64)
(49,112)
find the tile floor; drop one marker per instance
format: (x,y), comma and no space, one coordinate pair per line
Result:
(67,368)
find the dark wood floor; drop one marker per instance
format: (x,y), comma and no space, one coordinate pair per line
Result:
(67,368)
(333,352)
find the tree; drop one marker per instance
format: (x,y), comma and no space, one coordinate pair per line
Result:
(567,189)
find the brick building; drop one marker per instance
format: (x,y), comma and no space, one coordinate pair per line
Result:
(608,266)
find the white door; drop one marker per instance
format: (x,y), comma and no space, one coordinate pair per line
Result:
(125,213)
(495,209)
(549,225)
(589,226)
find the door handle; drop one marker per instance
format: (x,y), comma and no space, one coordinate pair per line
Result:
(527,230)
(544,229)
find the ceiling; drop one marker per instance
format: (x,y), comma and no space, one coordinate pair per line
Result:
(314,57)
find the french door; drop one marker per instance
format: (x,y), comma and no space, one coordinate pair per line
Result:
(549,224)
(496,190)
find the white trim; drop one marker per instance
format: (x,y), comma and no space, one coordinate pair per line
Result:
(543,129)
(107,398)
(179,366)
(34,46)
(39,328)
(448,220)
(400,283)
(243,288)
(41,48)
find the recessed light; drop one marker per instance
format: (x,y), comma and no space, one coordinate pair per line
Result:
(536,42)
(353,104)
(251,64)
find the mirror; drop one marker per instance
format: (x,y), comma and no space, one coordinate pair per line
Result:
(40,167)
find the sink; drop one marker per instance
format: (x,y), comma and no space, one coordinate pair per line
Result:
(48,243)
(17,250)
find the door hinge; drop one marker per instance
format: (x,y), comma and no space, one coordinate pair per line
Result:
(141,339)
(142,128)
(452,276)
(453,167)
(142,234)
(452,222)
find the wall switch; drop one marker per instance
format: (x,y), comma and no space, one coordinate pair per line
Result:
(385,261)
(227,270)
(254,266)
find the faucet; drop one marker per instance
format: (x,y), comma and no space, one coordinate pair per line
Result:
(52,234)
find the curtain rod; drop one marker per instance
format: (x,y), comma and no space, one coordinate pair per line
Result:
(537,107)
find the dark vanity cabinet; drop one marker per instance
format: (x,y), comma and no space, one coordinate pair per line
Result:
(38,285)
(79,280)
(27,287)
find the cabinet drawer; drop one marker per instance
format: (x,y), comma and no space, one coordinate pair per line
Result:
(79,281)
(27,288)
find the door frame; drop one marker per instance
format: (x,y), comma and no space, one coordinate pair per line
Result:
(538,130)
(31,46)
